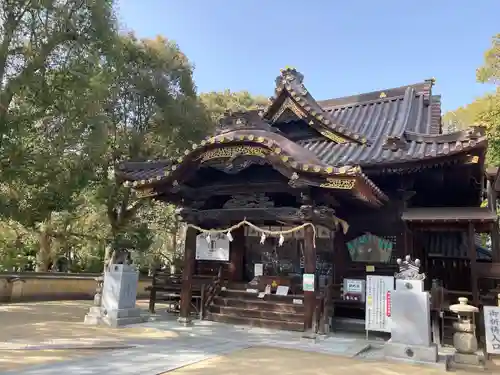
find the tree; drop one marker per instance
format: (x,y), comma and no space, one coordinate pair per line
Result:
(490,70)
(484,110)
(48,50)
(489,115)
(148,109)
(217,103)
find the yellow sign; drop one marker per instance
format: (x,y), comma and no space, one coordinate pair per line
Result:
(274,284)
(370,268)
(369,300)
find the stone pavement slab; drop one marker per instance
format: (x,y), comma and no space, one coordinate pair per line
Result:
(143,360)
(31,332)
(264,360)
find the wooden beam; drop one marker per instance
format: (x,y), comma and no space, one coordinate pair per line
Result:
(187,276)
(325,197)
(309,268)
(237,254)
(241,188)
(488,270)
(492,196)
(471,250)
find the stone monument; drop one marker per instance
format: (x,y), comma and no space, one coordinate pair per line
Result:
(411,337)
(119,295)
(464,339)
(114,302)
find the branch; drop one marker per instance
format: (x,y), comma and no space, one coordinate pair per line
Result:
(10,27)
(35,64)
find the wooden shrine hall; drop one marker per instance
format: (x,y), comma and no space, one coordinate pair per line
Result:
(337,189)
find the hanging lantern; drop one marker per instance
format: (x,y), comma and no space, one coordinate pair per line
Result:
(262,238)
(229,236)
(281,240)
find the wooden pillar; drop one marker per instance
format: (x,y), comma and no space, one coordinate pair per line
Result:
(341,257)
(495,242)
(473,260)
(187,276)
(495,237)
(310,268)
(236,255)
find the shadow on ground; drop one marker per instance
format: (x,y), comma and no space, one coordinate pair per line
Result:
(59,325)
(262,360)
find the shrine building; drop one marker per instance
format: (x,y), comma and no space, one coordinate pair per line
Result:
(333,190)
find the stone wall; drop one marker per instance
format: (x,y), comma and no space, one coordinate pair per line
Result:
(39,286)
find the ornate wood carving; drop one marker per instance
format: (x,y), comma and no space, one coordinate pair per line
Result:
(233,152)
(242,120)
(145,193)
(228,215)
(259,200)
(315,214)
(339,183)
(288,104)
(235,164)
(327,133)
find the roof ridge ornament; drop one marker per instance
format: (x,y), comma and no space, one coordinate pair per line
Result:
(395,143)
(408,269)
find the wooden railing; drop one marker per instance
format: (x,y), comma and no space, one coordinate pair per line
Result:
(209,292)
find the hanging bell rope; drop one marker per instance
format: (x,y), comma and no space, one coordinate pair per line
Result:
(264,232)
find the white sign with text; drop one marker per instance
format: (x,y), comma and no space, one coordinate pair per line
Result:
(378,303)
(216,248)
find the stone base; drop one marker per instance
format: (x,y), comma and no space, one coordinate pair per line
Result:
(123,317)
(94,316)
(309,335)
(466,361)
(185,321)
(412,353)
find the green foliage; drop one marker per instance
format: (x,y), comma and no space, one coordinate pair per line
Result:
(486,109)
(77,98)
(490,71)
(219,102)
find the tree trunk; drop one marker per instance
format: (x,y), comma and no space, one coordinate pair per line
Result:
(43,255)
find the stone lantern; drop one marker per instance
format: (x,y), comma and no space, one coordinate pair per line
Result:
(464,338)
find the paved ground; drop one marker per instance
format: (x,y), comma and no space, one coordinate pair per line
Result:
(258,361)
(34,333)
(41,339)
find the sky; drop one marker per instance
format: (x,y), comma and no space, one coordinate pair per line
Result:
(342,47)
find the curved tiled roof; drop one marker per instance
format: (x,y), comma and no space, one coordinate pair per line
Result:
(403,125)
(409,147)
(290,82)
(299,161)
(376,129)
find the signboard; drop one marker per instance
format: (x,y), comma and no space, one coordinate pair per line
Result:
(258,269)
(217,249)
(353,286)
(353,289)
(378,303)
(492,328)
(308,282)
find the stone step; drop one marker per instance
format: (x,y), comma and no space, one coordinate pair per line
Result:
(348,325)
(243,294)
(259,314)
(255,322)
(259,304)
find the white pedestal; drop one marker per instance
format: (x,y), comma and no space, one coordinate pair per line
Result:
(94,316)
(119,294)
